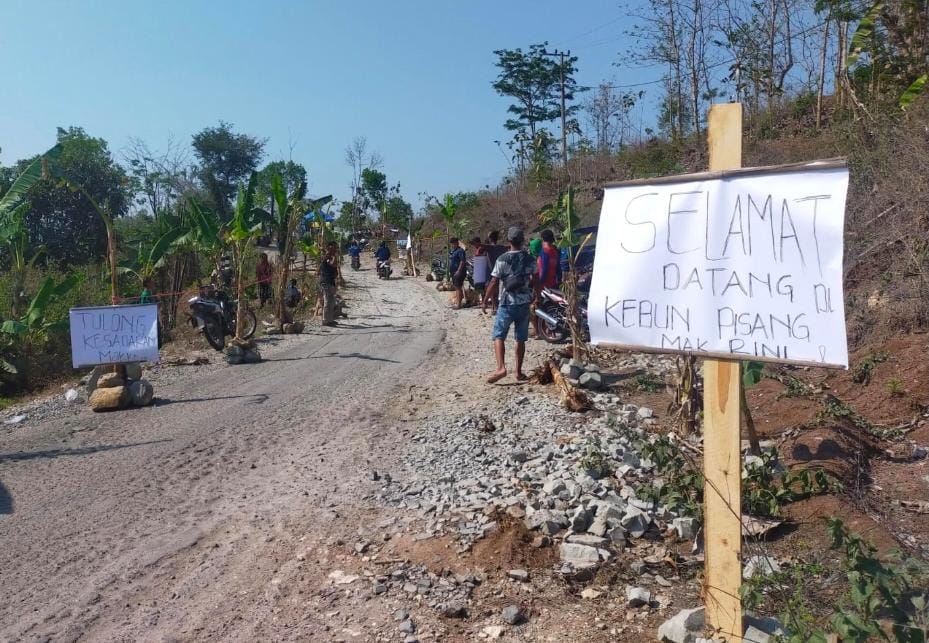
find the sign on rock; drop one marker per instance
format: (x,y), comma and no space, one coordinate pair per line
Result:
(114,334)
(736,264)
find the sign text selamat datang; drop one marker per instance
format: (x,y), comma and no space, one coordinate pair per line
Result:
(748,266)
(114,334)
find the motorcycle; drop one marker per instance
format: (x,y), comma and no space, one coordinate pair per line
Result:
(552,311)
(213,312)
(356,263)
(438,270)
(383,269)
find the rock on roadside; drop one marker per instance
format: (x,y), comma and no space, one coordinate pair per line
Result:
(142,393)
(683,627)
(109,399)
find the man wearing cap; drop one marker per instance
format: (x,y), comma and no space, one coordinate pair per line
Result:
(514,274)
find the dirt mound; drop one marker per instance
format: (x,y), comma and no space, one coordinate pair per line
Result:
(511,547)
(840,449)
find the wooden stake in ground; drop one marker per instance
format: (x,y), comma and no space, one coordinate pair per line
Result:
(722,462)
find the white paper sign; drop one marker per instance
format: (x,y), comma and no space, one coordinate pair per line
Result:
(748,266)
(114,334)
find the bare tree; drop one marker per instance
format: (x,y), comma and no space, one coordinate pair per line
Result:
(359,159)
(609,116)
(159,177)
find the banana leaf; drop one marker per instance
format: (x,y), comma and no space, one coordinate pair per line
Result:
(861,39)
(31,175)
(913,92)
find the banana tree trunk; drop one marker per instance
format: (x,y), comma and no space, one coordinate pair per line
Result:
(19,285)
(239,252)
(282,316)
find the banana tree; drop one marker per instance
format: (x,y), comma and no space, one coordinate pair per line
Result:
(562,215)
(146,260)
(34,320)
(34,172)
(242,229)
(15,238)
(289,210)
(13,232)
(203,230)
(288,214)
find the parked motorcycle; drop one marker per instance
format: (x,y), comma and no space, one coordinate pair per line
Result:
(383,269)
(552,311)
(438,270)
(213,312)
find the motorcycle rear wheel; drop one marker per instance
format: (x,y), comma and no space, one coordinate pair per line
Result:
(551,335)
(250,323)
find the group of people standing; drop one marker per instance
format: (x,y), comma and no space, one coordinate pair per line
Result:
(509,278)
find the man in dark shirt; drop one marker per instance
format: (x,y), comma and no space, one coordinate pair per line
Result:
(457,269)
(328,272)
(494,250)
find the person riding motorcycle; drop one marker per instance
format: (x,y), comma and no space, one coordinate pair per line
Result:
(354,251)
(383,252)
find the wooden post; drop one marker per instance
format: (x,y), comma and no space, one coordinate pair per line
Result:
(722,462)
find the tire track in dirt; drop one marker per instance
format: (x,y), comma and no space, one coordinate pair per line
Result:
(168,531)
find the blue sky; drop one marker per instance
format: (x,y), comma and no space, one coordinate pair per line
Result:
(412,76)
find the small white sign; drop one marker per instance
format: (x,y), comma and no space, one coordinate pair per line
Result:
(114,334)
(747,266)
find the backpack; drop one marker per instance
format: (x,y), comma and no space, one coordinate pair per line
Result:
(518,280)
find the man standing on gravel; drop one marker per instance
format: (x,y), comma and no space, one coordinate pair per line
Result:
(514,274)
(328,271)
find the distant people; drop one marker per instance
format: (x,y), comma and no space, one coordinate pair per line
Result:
(292,295)
(354,252)
(535,248)
(457,270)
(549,262)
(481,263)
(328,273)
(147,296)
(494,250)
(263,274)
(514,275)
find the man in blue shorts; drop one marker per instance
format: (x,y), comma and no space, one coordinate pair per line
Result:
(514,275)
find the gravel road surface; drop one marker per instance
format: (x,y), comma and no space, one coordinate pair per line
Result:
(177,522)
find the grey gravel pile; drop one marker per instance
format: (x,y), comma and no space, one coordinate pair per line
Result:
(530,460)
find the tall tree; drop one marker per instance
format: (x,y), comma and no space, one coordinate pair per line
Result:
(533,81)
(397,211)
(226,159)
(63,220)
(374,191)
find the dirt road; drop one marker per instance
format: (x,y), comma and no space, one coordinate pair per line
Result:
(179,521)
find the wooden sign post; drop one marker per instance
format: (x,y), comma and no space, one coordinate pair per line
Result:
(722,461)
(727,265)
